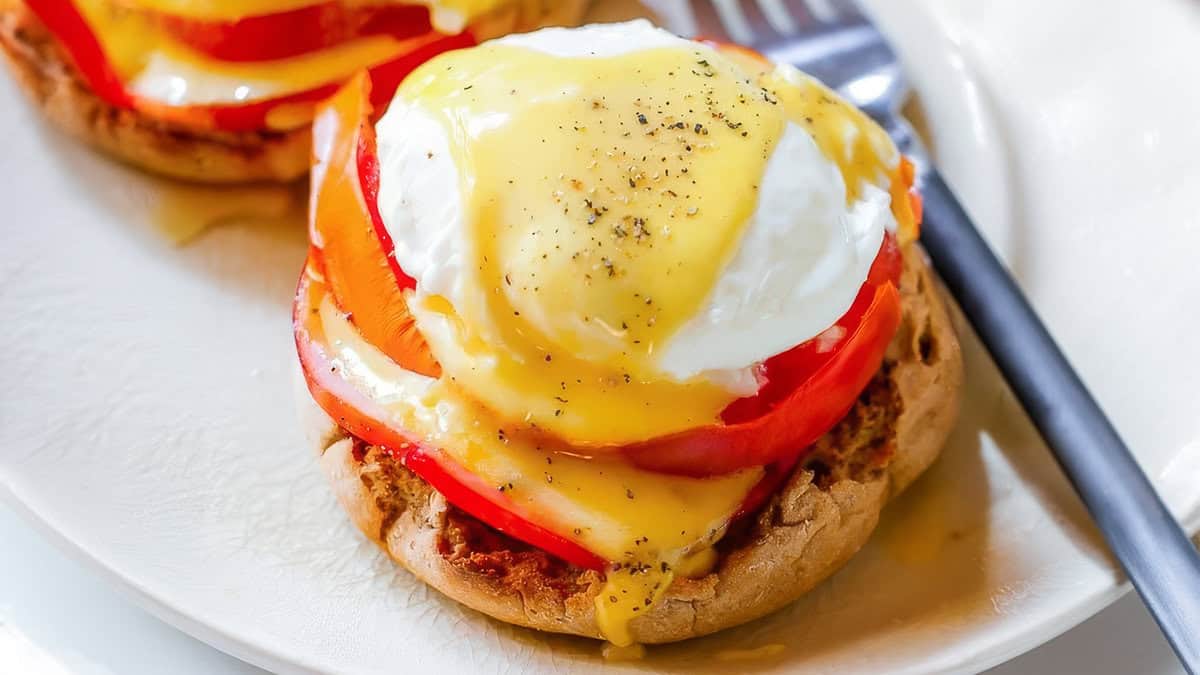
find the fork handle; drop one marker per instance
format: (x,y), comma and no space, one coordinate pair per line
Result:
(1160,560)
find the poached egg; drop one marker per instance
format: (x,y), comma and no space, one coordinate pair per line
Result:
(612,227)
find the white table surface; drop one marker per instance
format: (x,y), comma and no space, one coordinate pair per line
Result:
(59,617)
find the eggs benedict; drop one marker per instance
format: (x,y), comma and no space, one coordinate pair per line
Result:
(612,333)
(223,91)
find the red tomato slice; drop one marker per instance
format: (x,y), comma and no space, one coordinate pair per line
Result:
(364,419)
(294,32)
(69,26)
(348,236)
(75,35)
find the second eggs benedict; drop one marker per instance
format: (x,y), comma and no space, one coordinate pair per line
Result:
(631,307)
(223,91)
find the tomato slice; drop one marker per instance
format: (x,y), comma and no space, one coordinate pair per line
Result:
(294,32)
(64,20)
(364,419)
(76,36)
(348,236)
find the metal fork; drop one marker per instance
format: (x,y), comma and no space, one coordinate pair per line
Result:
(834,41)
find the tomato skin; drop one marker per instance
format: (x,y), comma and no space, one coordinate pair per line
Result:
(350,244)
(75,35)
(63,19)
(368,180)
(296,31)
(364,419)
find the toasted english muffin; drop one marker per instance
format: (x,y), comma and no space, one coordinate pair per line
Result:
(822,516)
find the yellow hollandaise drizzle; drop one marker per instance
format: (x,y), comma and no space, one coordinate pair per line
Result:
(849,138)
(605,197)
(653,527)
(146,58)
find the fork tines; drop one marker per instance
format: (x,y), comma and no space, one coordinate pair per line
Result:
(750,20)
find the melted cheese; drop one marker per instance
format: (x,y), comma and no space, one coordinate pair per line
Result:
(157,67)
(652,526)
(176,75)
(160,68)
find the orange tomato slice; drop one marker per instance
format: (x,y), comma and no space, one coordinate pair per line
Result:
(350,244)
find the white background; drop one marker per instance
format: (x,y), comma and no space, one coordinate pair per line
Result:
(57,617)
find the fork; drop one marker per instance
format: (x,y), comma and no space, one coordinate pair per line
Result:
(835,42)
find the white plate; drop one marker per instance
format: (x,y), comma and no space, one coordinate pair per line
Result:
(146,416)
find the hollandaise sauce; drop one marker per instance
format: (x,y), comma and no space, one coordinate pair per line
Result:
(651,527)
(605,196)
